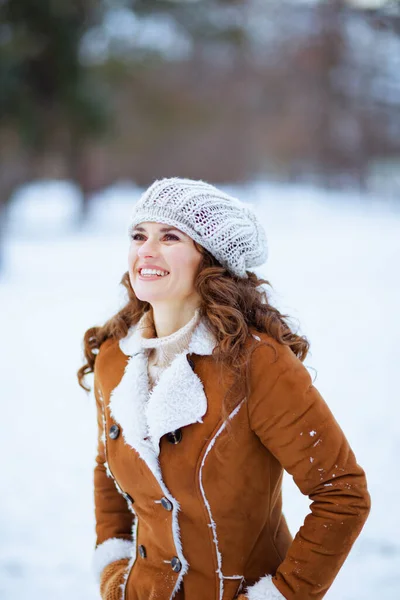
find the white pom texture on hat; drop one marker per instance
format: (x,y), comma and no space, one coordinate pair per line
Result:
(222,224)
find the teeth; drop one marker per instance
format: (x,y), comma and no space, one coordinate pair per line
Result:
(153,272)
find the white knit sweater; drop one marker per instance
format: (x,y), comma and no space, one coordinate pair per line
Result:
(162,350)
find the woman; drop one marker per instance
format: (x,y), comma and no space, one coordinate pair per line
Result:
(202,401)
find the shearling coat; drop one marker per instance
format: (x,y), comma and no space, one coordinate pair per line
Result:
(197,510)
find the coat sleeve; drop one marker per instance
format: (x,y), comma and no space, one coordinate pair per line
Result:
(294,423)
(113,518)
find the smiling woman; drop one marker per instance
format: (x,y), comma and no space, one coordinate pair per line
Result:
(202,401)
(172,261)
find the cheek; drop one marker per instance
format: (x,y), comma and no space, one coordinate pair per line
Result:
(132,256)
(184,259)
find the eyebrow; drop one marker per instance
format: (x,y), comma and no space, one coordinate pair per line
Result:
(163,229)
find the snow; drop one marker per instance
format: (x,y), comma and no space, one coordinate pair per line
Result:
(333,262)
(43,208)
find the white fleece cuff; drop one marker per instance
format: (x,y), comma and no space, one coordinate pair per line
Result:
(264,589)
(109,551)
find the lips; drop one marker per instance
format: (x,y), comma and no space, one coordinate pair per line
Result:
(153,267)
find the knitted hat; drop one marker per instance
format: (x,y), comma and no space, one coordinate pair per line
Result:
(222,224)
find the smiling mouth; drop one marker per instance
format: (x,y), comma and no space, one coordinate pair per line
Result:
(152,275)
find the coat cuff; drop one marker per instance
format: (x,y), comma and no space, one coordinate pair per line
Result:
(109,551)
(264,589)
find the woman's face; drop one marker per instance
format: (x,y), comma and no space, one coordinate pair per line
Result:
(166,248)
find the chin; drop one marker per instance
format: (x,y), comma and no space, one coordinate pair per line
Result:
(148,297)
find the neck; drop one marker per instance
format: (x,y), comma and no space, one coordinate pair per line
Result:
(167,321)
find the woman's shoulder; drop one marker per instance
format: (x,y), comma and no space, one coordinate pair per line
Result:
(272,362)
(108,356)
(110,365)
(267,352)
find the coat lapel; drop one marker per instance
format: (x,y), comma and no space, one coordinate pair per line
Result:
(177,399)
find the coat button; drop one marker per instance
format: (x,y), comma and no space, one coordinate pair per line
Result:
(166,503)
(174,437)
(142,551)
(128,497)
(114,432)
(176,564)
(191,362)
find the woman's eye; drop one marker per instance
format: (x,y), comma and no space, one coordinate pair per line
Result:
(167,235)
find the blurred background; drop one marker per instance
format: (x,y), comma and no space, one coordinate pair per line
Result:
(292,106)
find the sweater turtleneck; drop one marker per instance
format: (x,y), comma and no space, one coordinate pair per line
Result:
(162,350)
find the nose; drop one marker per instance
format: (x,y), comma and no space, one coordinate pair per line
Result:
(148,248)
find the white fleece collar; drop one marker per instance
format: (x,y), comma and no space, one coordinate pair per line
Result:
(176,400)
(202,341)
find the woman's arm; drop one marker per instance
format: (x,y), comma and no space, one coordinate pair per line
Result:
(293,421)
(114,521)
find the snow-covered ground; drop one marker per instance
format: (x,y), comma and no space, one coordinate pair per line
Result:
(334,264)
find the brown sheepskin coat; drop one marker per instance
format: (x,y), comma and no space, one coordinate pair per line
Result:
(186,510)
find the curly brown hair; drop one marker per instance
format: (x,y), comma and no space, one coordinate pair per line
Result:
(231,306)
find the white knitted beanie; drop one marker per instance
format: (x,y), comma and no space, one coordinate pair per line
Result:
(222,224)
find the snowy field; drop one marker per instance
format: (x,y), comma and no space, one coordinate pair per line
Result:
(334,264)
